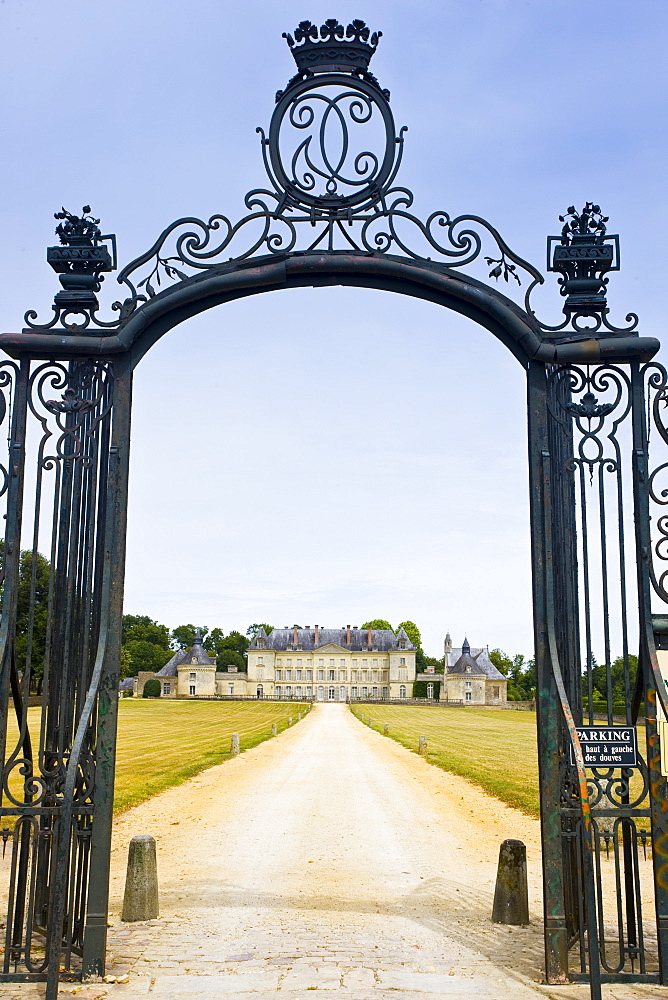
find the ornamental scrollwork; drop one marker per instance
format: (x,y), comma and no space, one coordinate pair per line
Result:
(331,155)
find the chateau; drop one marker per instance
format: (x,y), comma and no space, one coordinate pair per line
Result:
(331,664)
(320,664)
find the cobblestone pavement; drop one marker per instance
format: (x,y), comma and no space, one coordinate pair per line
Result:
(327,859)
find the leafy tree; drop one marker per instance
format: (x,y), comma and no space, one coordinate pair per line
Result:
(144,655)
(253,630)
(378,623)
(126,663)
(412,631)
(230,658)
(429,661)
(144,629)
(600,679)
(236,641)
(151,688)
(184,635)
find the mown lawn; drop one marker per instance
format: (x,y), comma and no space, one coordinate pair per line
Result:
(162,743)
(495,749)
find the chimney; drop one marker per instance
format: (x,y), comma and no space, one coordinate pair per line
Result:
(294,635)
(316,640)
(368,637)
(347,635)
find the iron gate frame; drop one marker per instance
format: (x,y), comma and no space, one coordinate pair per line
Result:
(355,228)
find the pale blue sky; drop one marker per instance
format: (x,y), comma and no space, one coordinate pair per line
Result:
(331,455)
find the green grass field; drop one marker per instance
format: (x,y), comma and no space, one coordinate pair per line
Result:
(163,743)
(495,749)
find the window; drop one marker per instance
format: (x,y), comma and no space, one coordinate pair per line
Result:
(353,692)
(309,692)
(365,692)
(309,663)
(495,692)
(342,694)
(430,690)
(165,688)
(331,694)
(298,676)
(331,663)
(375,675)
(321,693)
(288,663)
(278,675)
(386,692)
(309,675)
(260,691)
(402,661)
(278,692)
(321,675)
(260,659)
(469,696)
(298,692)
(260,673)
(288,674)
(321,663)
(354,663)
(402,691)
(193,677)
(342,663)
(403,674)
(230,688)
(299,663)
(331,674)
(467,684)
(375,663)
(192,689)
(279,663)
(374,692)
(194,659)
(288,691)
(365,663)
(365,675)
(342,675)
(353,674)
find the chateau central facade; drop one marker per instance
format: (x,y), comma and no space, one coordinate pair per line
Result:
(331,664)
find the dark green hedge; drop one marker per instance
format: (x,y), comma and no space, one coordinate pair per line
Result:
(420,689)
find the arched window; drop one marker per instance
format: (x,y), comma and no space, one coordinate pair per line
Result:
(259,691)
(342,694)
(402,691)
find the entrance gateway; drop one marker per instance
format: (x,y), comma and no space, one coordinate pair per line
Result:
(333,213)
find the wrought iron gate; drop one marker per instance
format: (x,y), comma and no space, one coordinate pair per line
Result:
(65,397)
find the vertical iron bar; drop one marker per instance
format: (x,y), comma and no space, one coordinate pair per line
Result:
(556,935)
(95,934)
(649,667)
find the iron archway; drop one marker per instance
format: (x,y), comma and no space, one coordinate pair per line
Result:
(333,214)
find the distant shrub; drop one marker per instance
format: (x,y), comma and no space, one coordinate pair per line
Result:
(152,688)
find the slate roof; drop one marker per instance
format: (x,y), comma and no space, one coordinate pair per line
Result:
(186,655)
(169,669)
(127,684)
(282,639)
(481,663)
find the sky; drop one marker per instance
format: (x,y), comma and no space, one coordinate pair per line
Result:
(326,456)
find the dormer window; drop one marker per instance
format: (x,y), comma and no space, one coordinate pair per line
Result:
(260,643)
(402,644)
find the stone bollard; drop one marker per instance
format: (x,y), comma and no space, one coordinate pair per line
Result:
(140,901)
(290,721)
(371,723)
(299,716)
(386,730)
(234,745)
(511,896)
(422,745)
(274,729)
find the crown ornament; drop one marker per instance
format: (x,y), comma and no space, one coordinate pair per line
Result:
(332,48)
